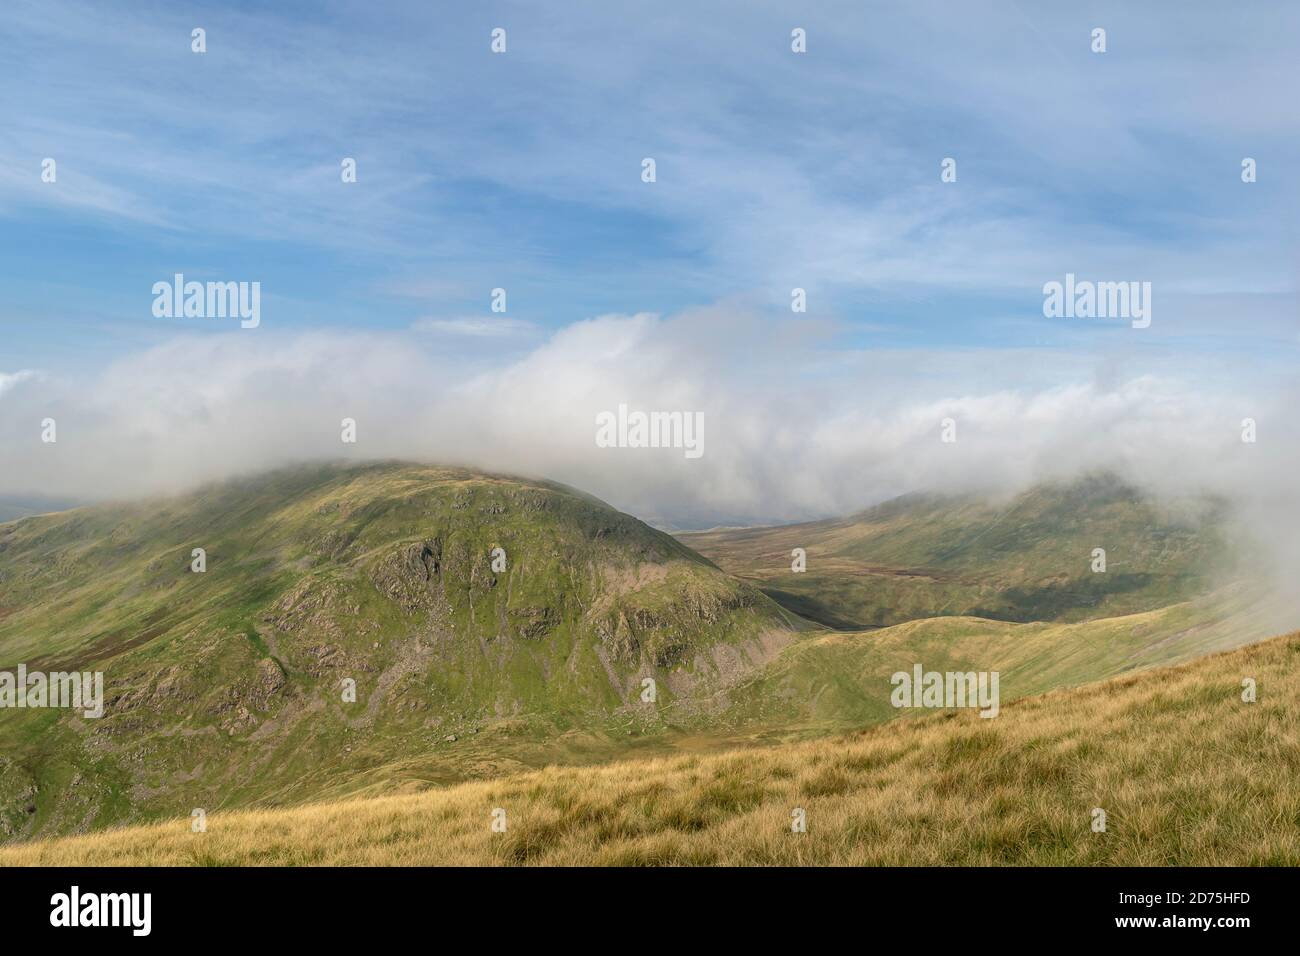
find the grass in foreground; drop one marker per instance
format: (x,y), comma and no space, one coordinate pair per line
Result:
(1187,773)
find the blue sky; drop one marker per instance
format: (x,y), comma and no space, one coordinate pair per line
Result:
(522,170)
(775,170)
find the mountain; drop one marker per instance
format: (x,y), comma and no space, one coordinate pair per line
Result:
(1185,770)
(489,625)
(20,506)
(226,687)
(1028,558)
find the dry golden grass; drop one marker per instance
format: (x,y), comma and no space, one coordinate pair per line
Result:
(1187,773)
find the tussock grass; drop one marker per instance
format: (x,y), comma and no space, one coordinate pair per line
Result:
(1187,773)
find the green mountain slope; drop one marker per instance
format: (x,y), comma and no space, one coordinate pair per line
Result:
(227,687)
(839,680)
(1026,559)
(1187,771)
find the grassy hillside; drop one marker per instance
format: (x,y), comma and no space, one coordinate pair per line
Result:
(225,688)
(1025,559)
(839,680)
(1185,770)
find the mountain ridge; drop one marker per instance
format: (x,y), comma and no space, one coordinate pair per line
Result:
(225,687)
(1027,558)
(379,574)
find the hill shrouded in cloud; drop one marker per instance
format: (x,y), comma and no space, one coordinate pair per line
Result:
(488,624)
(455,603)
(1094,547)
(595,409)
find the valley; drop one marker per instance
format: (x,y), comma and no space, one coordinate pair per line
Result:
(381,629)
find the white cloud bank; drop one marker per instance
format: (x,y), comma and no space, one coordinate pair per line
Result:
(792,430)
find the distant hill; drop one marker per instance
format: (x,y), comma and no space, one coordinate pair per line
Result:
(1185,771)
(226,687)
(20,506)
(1025,559)
(599,638)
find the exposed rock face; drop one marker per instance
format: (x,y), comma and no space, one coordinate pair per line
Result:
(17,798)
(411,575)
(662,636)
(268,682)
(532,623)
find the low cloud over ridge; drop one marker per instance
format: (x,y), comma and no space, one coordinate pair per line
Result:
(794,431)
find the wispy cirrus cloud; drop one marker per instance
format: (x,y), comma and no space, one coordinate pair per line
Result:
(776,170)
(494,327)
